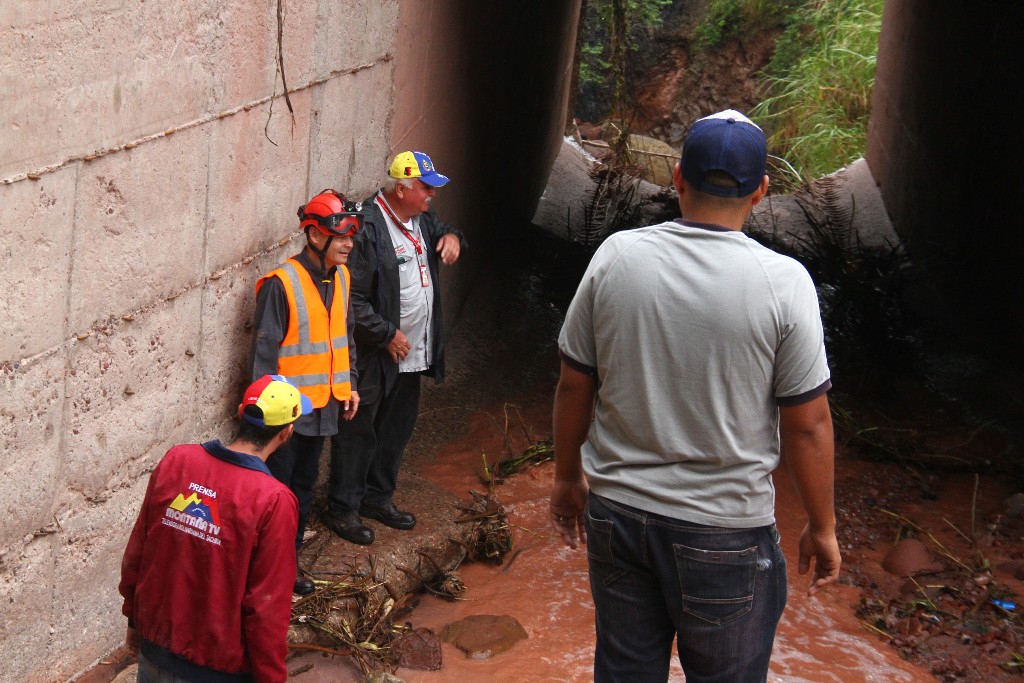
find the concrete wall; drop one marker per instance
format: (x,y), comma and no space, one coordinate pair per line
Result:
(149,173)
(148,176)
(483,86)
(944,146)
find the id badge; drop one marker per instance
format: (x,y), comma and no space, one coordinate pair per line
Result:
(424,275)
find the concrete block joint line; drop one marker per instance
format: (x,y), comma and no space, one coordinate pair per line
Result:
(109,327)
(39,172)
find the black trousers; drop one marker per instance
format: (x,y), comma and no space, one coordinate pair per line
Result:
(367,451)
(296,464)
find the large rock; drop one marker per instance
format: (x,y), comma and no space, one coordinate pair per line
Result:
(652,158)
(481,636)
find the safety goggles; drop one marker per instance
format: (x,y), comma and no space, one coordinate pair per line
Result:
(341,224)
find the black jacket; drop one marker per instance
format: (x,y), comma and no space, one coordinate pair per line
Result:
(375,298)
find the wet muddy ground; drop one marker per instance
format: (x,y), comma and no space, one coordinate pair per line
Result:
(873,626)
(914,478)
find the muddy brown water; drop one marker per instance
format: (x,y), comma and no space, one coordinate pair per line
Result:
(544,586)
(503,365)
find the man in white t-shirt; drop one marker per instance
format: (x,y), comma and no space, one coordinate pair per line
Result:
(692,361)
(396,303)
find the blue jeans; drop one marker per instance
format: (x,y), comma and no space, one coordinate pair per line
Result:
(718,592)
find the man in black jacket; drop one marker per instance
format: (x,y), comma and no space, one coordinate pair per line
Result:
(396,303)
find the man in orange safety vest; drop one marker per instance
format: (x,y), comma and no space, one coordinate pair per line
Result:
(303,330)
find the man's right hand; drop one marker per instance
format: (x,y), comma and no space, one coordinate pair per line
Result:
(568,505)
(351,406)
(399,346)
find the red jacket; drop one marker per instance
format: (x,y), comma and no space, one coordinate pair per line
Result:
(207,575)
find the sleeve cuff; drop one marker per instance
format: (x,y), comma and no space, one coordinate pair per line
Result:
(799,399)
(578,366)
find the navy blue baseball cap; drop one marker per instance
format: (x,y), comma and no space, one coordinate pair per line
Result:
(728,142)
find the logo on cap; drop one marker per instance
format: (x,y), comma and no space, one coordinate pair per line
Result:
(414,164)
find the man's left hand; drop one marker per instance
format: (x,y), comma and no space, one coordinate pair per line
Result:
(351,406)
(449,247)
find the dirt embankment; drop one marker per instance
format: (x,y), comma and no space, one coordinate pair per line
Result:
(671,81)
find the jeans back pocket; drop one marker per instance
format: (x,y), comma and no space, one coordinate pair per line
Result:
(716,586)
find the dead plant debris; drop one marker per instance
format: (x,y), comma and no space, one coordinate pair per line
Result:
(539,451)
(491,535)
(436,579)
(355,615)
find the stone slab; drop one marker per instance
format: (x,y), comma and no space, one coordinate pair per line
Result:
(355,32)
(80,90)
(26,586)
(86,607)
(240,43)
(36,221)
(228,308)
(31,440)
(256,185)
(349,146)
(139,228)
(132,395)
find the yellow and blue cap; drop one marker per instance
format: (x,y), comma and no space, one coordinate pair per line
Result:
(415,164)
(279,401)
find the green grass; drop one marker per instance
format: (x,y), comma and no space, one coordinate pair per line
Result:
(819,85)
(736,18)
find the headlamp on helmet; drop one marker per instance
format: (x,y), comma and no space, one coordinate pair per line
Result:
(332,214)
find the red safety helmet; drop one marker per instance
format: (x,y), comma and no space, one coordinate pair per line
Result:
(332,214)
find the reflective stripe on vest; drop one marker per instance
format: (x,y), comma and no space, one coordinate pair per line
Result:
(314,351)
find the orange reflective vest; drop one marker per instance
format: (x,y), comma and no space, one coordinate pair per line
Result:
(314,351)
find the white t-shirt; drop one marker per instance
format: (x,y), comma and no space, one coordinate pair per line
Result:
(416,300)
(695,332)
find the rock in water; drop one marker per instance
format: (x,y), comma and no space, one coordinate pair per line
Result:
(482,636)
(909,557)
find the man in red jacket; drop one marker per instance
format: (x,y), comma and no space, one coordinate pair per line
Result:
(207,573)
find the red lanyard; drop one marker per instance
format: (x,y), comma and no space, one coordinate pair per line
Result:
(424,272)
(401,226)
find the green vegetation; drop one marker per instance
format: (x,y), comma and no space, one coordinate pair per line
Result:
(612,24)
(819,85)
(735,18)
(611,31)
